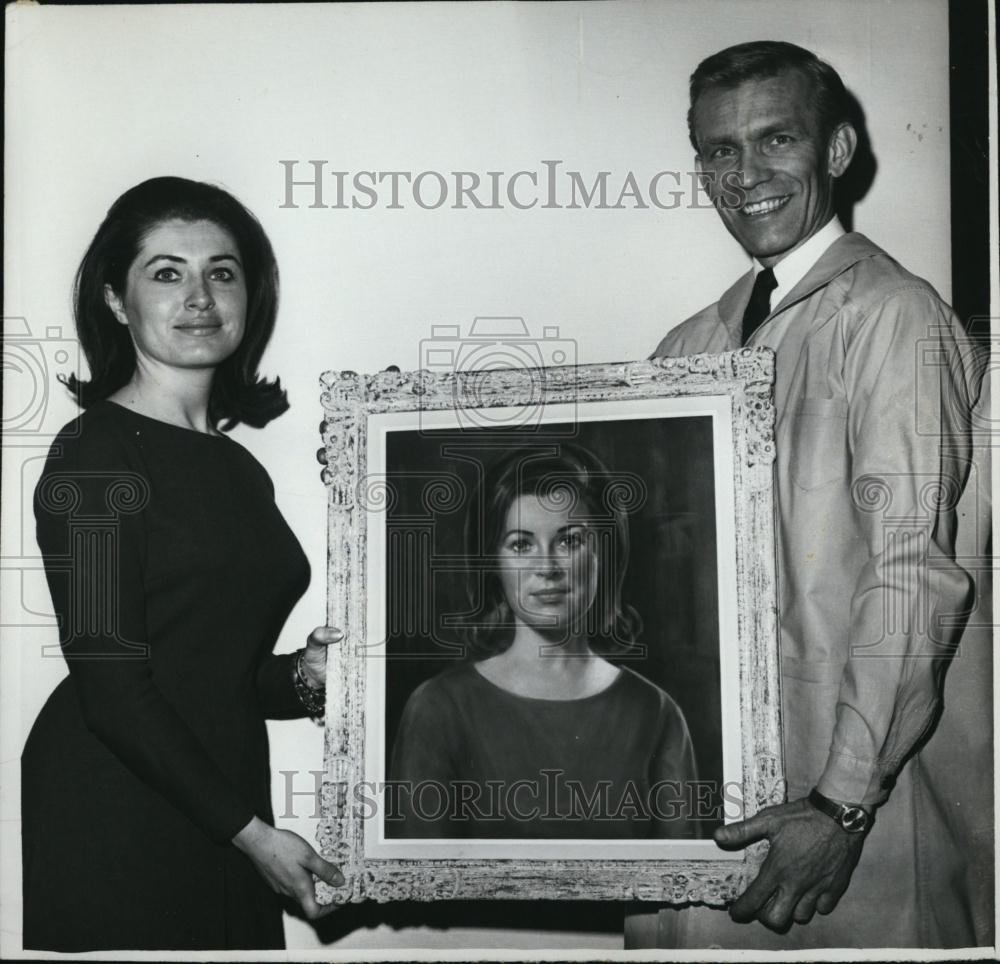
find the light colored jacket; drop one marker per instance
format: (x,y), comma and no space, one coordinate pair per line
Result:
(872,453)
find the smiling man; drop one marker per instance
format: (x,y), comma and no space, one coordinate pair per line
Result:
(871,445)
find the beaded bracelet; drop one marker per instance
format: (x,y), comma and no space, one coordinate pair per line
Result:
(313,698)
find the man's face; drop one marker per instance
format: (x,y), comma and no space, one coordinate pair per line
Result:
(761,139)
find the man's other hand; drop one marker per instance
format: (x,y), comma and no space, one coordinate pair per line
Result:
(808,866)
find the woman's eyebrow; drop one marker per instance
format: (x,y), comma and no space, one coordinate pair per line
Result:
(574,525)
(165,257)
(179,260)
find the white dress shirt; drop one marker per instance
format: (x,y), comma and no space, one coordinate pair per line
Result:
(792,268)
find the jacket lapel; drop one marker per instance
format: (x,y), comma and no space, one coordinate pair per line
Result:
(845,252)
(732,305)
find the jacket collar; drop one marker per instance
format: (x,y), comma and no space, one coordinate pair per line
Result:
(844,253)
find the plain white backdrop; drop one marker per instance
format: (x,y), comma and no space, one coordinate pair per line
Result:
(100,98)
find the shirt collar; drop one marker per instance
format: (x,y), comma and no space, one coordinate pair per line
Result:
(791,269)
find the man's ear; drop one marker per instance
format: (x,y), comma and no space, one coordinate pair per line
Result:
(112,300)
(840,149)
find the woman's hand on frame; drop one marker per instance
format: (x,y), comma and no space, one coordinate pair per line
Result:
(314,661)
(288,863)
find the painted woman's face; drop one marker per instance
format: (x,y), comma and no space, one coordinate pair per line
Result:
(548,565)
(185,299)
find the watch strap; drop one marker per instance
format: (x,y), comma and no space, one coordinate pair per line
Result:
(850,818)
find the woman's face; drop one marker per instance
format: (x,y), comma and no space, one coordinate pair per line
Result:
(185,299)
(548,565)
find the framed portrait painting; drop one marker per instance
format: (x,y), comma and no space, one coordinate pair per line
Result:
(559,672)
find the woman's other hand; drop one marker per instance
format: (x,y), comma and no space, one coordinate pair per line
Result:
(288,863)
(314,660)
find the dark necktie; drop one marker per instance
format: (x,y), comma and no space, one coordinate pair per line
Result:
(759,306)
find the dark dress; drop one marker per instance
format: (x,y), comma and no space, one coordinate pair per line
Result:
(616,765)
(172,572)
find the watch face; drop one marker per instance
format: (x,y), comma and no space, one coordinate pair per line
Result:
(853,819)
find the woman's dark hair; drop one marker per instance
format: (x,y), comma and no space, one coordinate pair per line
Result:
(762,60)
(239,394)
(565,475)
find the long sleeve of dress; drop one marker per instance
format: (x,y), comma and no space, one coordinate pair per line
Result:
(90,528)
(275,690)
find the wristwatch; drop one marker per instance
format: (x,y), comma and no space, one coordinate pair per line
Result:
(851,819)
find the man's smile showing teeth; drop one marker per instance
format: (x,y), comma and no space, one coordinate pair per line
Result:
(757,208)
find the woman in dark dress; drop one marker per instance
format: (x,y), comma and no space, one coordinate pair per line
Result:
(146,810)
(540,736)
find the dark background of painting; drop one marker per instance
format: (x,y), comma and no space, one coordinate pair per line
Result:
(671,579)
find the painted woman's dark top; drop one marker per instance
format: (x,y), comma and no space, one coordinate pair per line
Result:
(474,760)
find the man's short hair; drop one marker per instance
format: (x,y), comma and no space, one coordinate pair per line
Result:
(764,59)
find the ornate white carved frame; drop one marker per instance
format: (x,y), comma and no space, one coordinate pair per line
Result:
(745,377)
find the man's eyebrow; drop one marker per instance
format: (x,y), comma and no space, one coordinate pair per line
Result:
(717,140)
(776,127)
(178,260)
(766,130)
